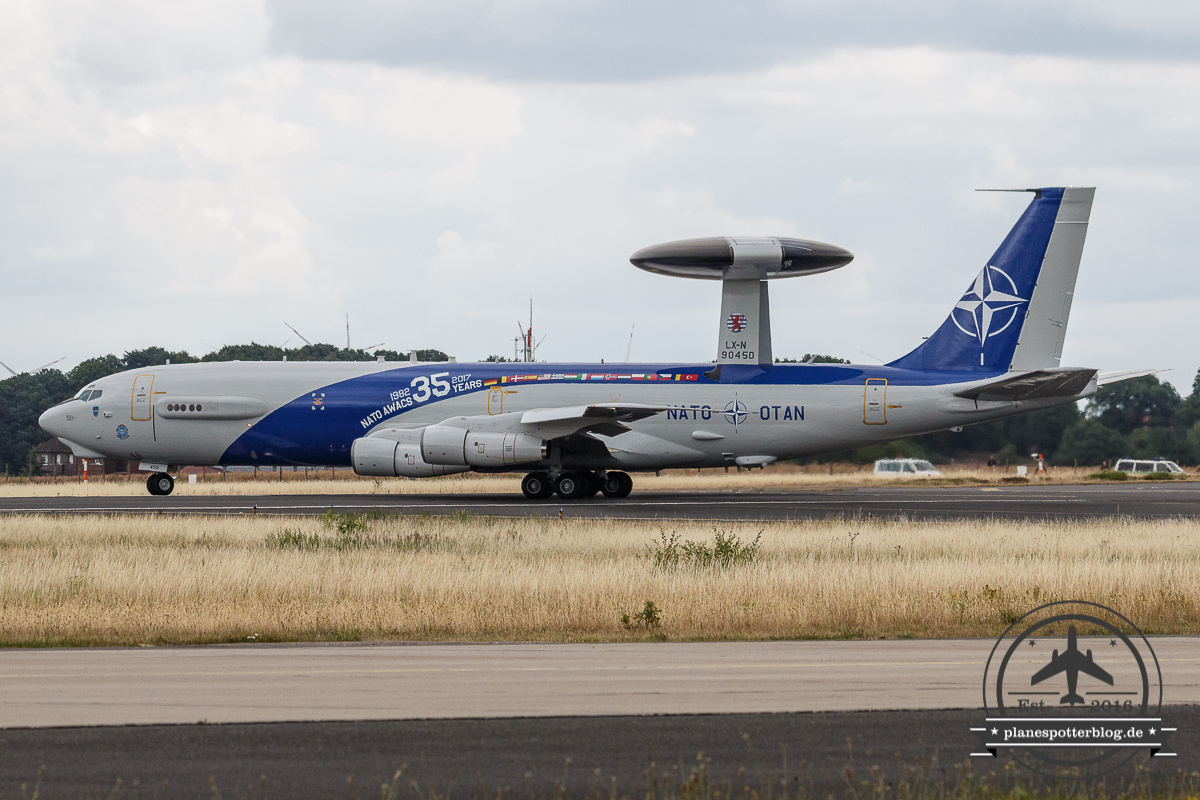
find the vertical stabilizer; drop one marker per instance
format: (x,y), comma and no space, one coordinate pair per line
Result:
(1014,314)
(1045,330)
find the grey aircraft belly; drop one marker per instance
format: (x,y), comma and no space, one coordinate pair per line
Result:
(578,429)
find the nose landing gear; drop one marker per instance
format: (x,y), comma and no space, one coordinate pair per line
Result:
(160,483)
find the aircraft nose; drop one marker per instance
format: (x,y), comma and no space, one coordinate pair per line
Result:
(51,421)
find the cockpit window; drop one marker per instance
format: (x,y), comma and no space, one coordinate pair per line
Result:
(96,394)
(89,394)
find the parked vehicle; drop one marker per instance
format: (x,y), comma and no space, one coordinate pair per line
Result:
(1141,467)
(906,467)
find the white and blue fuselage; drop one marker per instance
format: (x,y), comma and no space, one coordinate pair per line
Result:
(290,413)
(573,427)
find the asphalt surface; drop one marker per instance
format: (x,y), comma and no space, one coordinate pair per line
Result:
(1034,501)
(313,682)
(475,758)
(472,719)
(528,757)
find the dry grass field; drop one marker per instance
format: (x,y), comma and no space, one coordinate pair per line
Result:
(777,477)
(173,580)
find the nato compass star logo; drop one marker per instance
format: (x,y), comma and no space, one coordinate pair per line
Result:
(735,412)
(318,401)
(736,323)
(989,306)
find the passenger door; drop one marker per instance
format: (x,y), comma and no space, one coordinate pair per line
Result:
(142,400)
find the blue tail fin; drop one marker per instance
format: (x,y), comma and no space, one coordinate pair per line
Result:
(984,327)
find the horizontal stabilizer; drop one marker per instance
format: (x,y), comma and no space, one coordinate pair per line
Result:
(1040,383)
(1105,378)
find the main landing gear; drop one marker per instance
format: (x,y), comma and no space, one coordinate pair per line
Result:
(576,485)
(160,483)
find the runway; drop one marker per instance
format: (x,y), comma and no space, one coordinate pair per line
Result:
(277,683)
(1142,500)
(520,757)
(477,718)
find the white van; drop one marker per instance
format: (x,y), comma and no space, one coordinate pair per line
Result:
(1137,467)
(905,468)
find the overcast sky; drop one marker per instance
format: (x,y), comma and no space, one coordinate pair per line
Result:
(197,174)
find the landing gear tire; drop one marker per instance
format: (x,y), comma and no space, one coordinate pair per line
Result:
(537,486)
(160,483)
(571,486)
(592,484)
(617,484)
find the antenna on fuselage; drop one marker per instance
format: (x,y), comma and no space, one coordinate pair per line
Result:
(743,265)
(868,355)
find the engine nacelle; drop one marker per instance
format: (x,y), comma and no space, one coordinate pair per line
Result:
(442,444)
(386,458)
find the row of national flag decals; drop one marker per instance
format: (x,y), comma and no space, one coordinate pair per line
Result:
(592,376)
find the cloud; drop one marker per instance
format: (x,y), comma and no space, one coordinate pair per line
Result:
(234,175)
(626,40)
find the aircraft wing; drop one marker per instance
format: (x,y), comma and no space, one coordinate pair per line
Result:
(605,418)
(1050,382)
(1095,670)
(621,412)
(1056,665)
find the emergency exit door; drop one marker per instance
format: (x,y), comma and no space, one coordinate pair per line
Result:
(495,400)
(875,401)
(143,395)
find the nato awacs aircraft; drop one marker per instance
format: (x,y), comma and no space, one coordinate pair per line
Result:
(579,429)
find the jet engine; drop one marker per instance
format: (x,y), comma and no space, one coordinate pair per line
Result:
(442,444)
(441,450)
(376,456)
